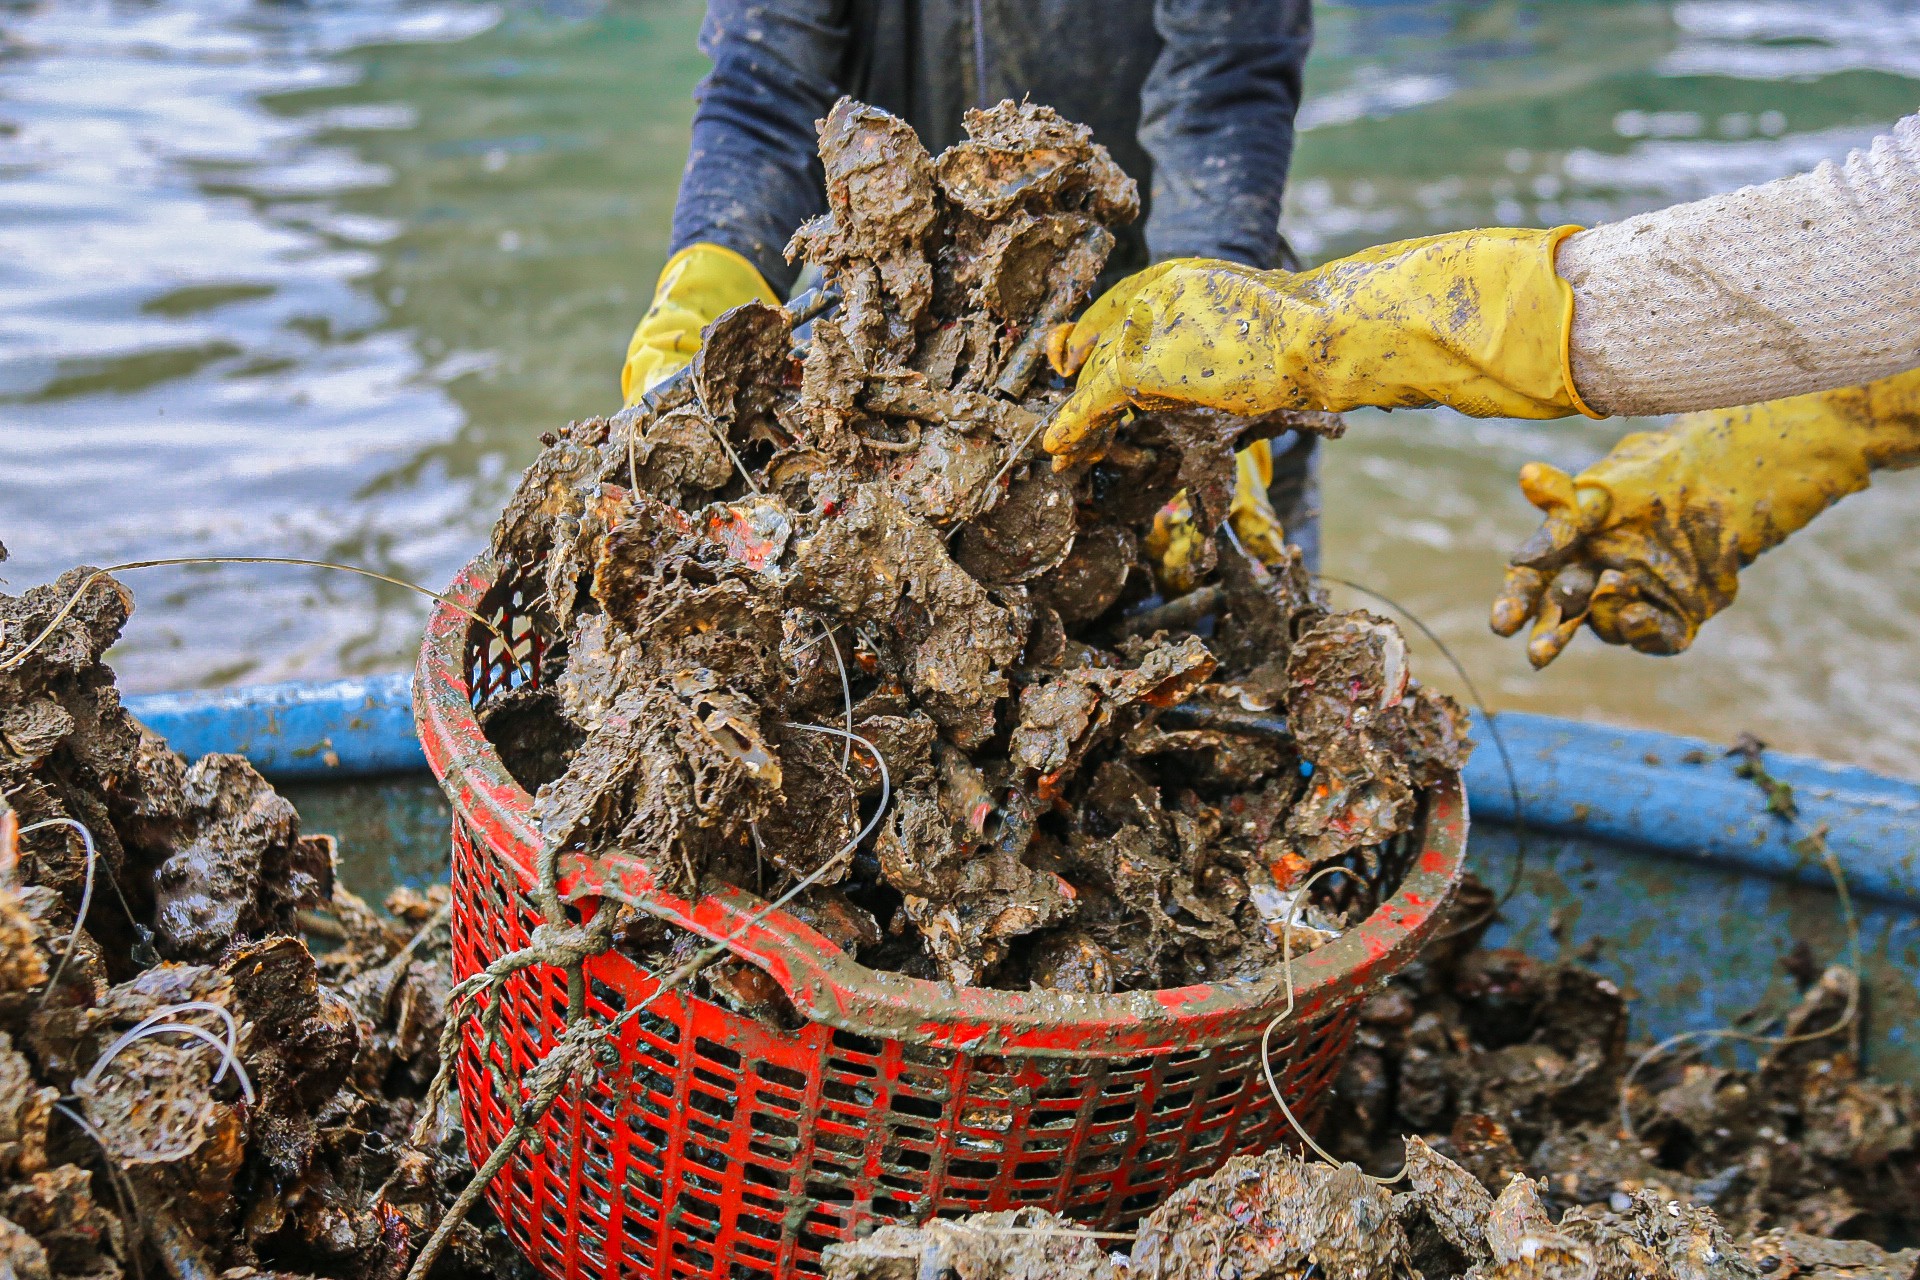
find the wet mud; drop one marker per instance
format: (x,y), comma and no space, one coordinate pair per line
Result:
(848,525)
(187,1087)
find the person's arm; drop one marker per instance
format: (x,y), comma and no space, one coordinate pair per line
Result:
(753,171)
(752,177)
(1216,116)
(1802,285)
(1647,544)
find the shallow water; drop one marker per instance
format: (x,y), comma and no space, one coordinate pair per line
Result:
(308,280)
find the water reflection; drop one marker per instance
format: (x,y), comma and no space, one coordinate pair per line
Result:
(191,362)
(309,279)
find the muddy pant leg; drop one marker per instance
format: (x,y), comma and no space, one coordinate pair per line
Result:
(1295,492)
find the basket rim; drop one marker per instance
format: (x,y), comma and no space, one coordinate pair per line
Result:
(828,986)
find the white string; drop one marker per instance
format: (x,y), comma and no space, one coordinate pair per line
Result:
(86,897)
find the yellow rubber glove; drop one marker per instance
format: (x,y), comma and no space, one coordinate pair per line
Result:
(1476,319)
(1175,544)
(1177,548)
(1648,543)
(698,285)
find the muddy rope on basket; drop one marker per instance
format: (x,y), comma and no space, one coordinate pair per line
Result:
(1266,1036)
(567,947)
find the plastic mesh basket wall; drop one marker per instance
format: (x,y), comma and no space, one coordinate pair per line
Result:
(711,1145)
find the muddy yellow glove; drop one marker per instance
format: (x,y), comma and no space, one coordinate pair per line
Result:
(1175,544)
(1647,544)
(1475,319)
(698,285)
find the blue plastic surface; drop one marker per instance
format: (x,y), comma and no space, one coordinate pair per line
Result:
(1682,797)
(339,729)
(1621,786)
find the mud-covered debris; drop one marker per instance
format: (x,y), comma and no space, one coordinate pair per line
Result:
(1446,1200)
(1368,732)
(1063,719)
(1019,1244)
(1794,1255)
(1747,1191)
(1509,1066)
(184,1088)
(850,528)
(1272,1217)
(872,238)
(243,866)
(1024,154)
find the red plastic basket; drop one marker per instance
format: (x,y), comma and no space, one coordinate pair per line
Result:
(720,1147)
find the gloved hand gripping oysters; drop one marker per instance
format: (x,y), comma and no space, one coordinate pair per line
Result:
(853,528)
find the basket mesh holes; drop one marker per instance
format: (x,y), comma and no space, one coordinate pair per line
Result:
(851,1043)
(773,1125)
(851,1095)
(700,1129)
(714,1078)
(838,1143)
(908,1105)
(941,1060)
(716,1053)
(686,1250)
(657,1178)
(785,1077)
(717,1108)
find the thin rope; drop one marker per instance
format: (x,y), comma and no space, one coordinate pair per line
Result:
(86,897)
(846,693)
(1266,1036)
(1718,1034)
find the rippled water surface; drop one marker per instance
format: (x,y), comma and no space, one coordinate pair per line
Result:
(308,279)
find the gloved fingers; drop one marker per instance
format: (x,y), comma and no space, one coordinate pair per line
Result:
(1552,632)
(1518,600)
(1651,629)
(1060,352)
(1259,530)
(1548,488)
(1572,589)
(1084,424)
(1553,492)
(1180,554)
(1069,345)
(1632,607)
